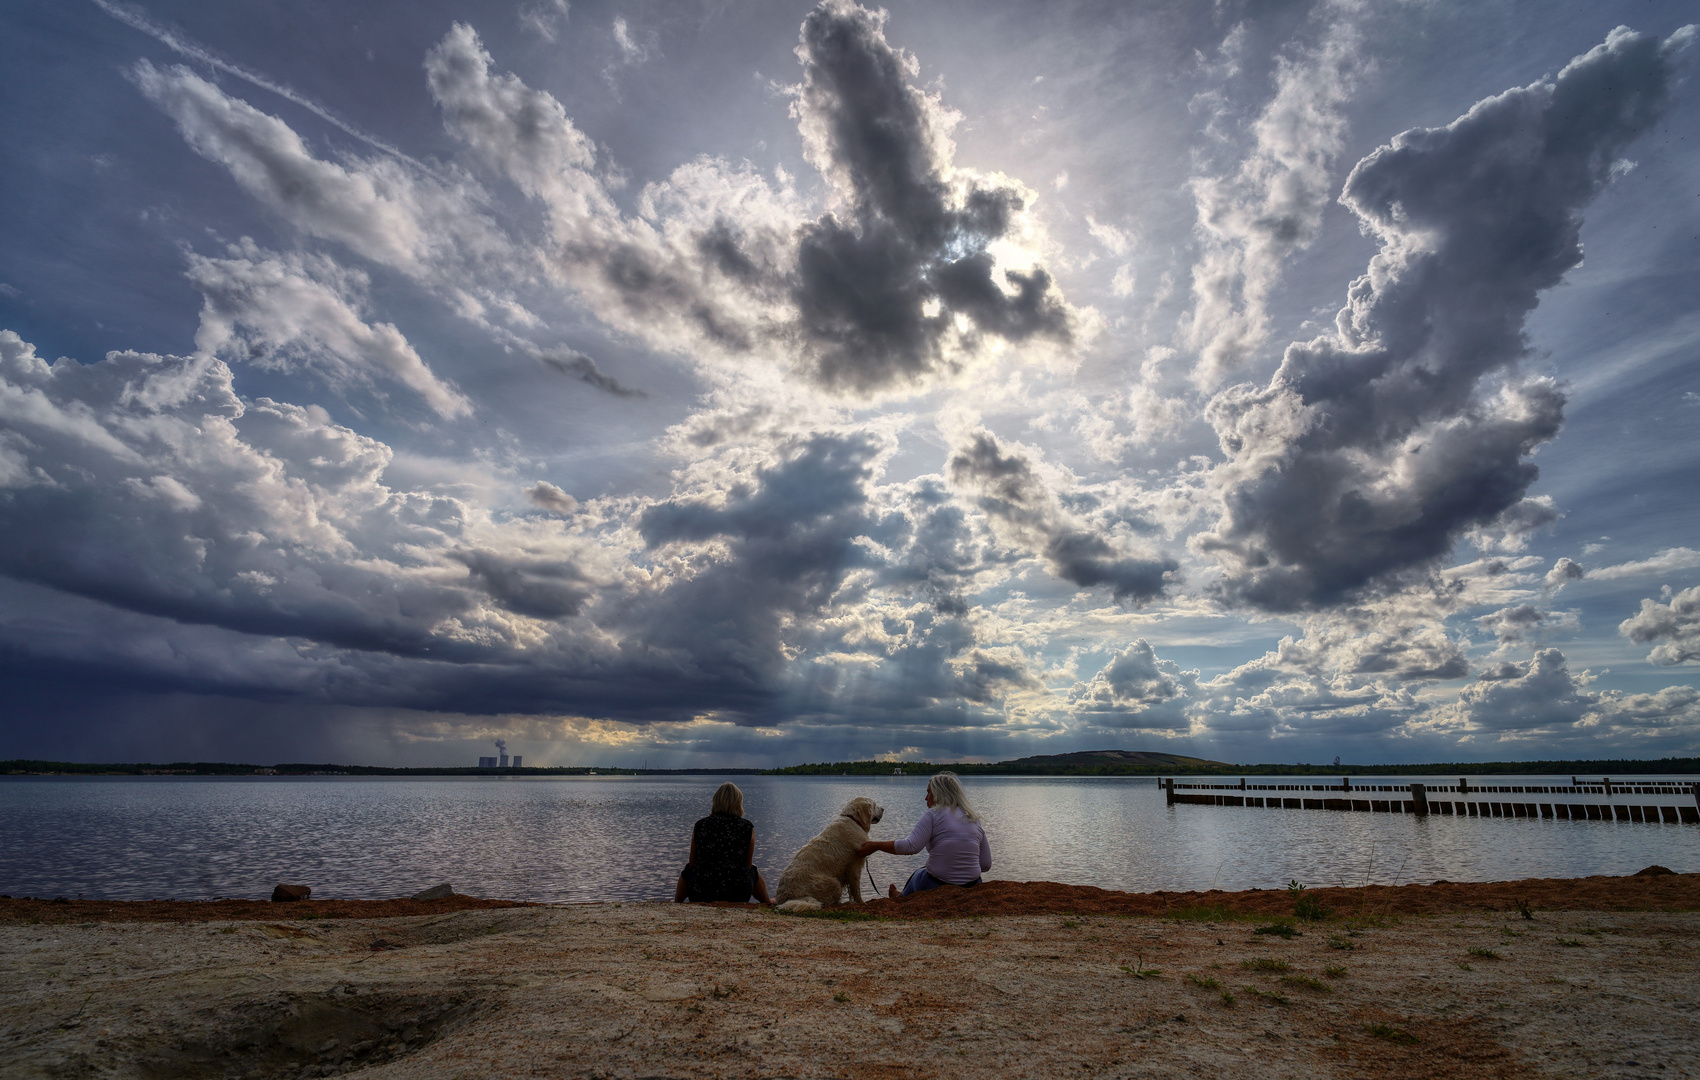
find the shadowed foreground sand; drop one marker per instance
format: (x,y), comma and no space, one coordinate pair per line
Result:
(1422,981)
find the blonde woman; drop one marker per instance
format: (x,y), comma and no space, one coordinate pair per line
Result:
(957,852)
(722,864)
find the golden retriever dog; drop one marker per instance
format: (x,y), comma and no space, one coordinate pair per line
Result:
(825,865)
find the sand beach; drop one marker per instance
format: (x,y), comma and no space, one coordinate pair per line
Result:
(1010,979)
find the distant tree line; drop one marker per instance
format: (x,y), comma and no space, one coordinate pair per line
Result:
(1073,766)
(1608,767)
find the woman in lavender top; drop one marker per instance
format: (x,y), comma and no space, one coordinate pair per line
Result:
(957,852)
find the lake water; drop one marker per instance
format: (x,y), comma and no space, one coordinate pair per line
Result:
(625,838)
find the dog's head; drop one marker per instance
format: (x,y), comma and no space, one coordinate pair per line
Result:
(864,812)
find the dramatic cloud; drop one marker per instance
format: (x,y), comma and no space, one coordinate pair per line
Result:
(637,444)
(919,267)
(276,310)
(382,208)
(1012,493)
(1252,220)
(1137,689)
(1374,448)
(1543,699)
(1675,625)
(908,280)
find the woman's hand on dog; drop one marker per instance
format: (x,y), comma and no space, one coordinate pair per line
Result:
(871,846)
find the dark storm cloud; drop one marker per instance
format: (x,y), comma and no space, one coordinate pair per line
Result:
(1376,447)
(1010,491)
(864,282)
(791,536)
(540,588)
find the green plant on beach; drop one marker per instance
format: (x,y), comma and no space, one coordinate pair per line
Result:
(841,996)
(1140,971)
(1306,907)
(1338,942)
(1464,966)
(1335,971)
(1523,908)
(1263,963)
(1308,982)
(1390,1033)
(1205,981)
(1070,924)
(1485,954)
(1279,929)
(1228,998)
(1570,942)
(1268,995)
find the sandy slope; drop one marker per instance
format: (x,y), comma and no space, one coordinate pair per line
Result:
(641,990)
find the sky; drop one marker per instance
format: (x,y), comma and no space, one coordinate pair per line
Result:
(698,384)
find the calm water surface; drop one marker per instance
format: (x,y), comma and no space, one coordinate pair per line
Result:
(604,838)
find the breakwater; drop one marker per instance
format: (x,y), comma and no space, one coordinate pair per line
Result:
(1668,802)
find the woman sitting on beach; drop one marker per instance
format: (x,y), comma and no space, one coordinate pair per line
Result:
(957,852)
(722,863)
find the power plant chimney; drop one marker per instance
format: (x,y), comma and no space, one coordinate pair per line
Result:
(502,749)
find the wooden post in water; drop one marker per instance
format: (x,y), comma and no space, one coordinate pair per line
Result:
(1606,780)
(1169,792)
(1696,788)
(1419,799)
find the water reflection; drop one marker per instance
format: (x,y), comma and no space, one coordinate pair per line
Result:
(576,839)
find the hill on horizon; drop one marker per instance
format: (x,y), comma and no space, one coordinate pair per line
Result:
(1119,757)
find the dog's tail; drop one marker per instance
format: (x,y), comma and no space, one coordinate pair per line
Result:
(805,903)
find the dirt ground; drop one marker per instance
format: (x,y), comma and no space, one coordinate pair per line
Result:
(1012,979)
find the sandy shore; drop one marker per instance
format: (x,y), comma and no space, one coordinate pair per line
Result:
(1013,979)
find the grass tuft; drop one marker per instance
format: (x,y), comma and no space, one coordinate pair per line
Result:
(1140,971)
(1205,981)
(1228,998)
(841,996)
(1335,971)
(1279,929)
(1268,995)
(1485,954)
(1390,1033)
(1308,982)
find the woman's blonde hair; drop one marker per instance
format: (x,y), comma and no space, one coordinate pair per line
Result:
(729,800)
(947,791)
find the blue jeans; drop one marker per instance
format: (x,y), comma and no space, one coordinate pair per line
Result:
(921,881)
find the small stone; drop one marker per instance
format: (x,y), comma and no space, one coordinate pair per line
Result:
(435,892)
(291,892)
(1654,871)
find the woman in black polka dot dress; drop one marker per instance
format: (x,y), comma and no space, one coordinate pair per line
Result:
(722,864)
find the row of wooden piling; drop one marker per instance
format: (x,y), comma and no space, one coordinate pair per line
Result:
(1415,798)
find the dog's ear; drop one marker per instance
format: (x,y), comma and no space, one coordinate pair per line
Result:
(862,811)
